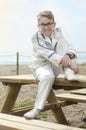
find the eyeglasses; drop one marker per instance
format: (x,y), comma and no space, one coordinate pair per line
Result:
(46,24)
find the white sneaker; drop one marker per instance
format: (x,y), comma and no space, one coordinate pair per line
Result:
(32,114)
(70,75)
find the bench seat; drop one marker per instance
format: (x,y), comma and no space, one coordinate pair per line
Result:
(79,91)
(72,97)
(10,122)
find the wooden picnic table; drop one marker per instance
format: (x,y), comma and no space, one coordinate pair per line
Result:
(15,83)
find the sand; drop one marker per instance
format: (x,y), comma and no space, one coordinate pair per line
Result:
(75,114)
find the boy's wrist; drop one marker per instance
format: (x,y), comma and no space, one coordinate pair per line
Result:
(70,55)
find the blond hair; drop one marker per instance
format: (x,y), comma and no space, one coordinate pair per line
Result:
(47,14)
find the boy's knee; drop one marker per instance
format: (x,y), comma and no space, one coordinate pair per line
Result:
(49,77)
(46,76)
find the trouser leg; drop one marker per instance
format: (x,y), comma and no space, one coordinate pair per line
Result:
(46,75)
(44,89)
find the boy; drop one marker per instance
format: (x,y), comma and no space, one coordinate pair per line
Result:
(50,51)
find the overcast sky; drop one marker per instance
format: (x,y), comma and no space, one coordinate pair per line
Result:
(18,22)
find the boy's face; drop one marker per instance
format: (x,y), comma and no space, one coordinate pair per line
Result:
(46,26)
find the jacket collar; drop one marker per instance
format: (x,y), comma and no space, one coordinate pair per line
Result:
(47,39)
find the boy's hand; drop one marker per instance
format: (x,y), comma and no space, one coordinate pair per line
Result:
(65,62)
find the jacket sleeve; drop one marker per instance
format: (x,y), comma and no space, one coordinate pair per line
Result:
(42,50)
(63,45)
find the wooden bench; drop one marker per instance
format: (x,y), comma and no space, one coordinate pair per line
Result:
(10,122)
(78,95)
(72,97)
(16,82)
(79,91)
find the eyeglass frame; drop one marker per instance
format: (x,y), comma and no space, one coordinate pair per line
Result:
(46,24)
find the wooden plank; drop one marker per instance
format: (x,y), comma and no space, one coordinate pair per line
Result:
(59,81)
(9,122)
(27,79)
(10,125)
(79,91)
(72,97)
(63,83)
(31,77)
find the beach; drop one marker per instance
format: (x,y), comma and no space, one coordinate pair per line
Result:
(75,114)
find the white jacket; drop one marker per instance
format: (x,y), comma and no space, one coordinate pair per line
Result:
(46,50)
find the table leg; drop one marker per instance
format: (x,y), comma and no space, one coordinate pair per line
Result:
(58,113)
(10,98)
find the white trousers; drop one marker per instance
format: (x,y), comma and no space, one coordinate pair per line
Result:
(46,76)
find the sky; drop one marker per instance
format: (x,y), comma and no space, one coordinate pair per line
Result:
(18,22)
